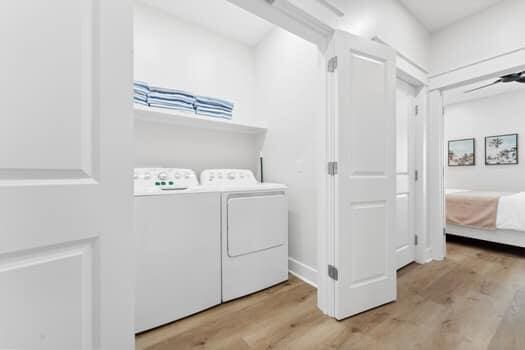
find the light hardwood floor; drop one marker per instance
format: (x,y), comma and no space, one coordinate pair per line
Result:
(475,299)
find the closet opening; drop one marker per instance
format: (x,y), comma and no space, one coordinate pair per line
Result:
(222,95)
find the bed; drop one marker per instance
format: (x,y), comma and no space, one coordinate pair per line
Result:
(489,216)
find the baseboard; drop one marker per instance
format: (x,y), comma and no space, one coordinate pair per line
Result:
(302,271)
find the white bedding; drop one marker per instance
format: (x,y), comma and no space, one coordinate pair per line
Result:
(511,210)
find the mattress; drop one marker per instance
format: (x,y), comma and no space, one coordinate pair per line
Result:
(486,210)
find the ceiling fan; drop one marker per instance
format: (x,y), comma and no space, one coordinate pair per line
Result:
(509,78)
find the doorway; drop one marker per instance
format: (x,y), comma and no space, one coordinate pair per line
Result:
(436,157)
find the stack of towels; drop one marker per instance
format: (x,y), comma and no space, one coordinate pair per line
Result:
(140,92)
(172,99)
(180,100)
(213,107)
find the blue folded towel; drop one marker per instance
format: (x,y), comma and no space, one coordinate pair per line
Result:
(141,83)
(161,97)
(170,91)
(213,113)
(140,87)
(213,102)
(140,102)
(170,104)
(140,97)
(171,97)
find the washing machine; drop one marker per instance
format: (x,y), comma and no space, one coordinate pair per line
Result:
(254,231)
(177,227)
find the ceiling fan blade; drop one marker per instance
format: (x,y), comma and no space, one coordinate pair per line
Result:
(484,86)
(509,78)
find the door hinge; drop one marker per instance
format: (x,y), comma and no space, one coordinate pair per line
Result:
(332,168)
(416,240)
(332,64)
(333,273)
(444,231)
(416,175)
(417,110)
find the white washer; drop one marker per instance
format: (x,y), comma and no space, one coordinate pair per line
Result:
(254,231)
(177,225)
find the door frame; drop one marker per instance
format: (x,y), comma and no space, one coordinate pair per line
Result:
(465,75)
(295,20)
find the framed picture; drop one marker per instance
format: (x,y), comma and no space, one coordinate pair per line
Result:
(501,149)
(462,152)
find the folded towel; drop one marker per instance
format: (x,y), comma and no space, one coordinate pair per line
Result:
(140,87)
(141,97)
(140,102)
(209,101)
(170,102)
(172,97)
(214,108)
(140,92)
(170,91)
(213,113)
(171,105)
(141,83)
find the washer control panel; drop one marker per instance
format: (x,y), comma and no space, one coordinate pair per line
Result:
(221,177)
(164,179)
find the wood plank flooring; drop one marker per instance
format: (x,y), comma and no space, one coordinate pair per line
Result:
(475,299)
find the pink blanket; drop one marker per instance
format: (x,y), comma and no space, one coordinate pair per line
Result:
(474,209)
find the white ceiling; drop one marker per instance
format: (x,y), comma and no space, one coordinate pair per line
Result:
(459,96)
(219,16)
(437,14)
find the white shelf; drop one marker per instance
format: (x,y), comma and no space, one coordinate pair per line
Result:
(167,116)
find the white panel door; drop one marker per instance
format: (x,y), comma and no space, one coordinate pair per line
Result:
(365,144)
(405,174)
(66,247)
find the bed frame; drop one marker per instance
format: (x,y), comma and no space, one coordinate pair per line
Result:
(510,237)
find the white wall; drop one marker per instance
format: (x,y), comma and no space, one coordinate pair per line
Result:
(501,114)
(386,19)
(173,53)
(182,147)
(495,31)
(290,99)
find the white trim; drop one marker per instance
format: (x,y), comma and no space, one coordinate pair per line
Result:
(427,256)
(302,271)
(510,237)
(435,170)
(505,63)
(291,18)
(415,70)
(336,10)
(492,58)
(423,246)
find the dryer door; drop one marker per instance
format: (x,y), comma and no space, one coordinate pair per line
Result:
(256,222)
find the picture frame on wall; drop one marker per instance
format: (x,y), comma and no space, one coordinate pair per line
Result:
(501,150)
(462,152)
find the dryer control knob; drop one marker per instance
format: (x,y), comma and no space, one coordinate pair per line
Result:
(162,176)
(147,176)
(231,176)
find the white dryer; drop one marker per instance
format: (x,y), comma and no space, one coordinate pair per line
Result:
(254,231)
(177,228)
